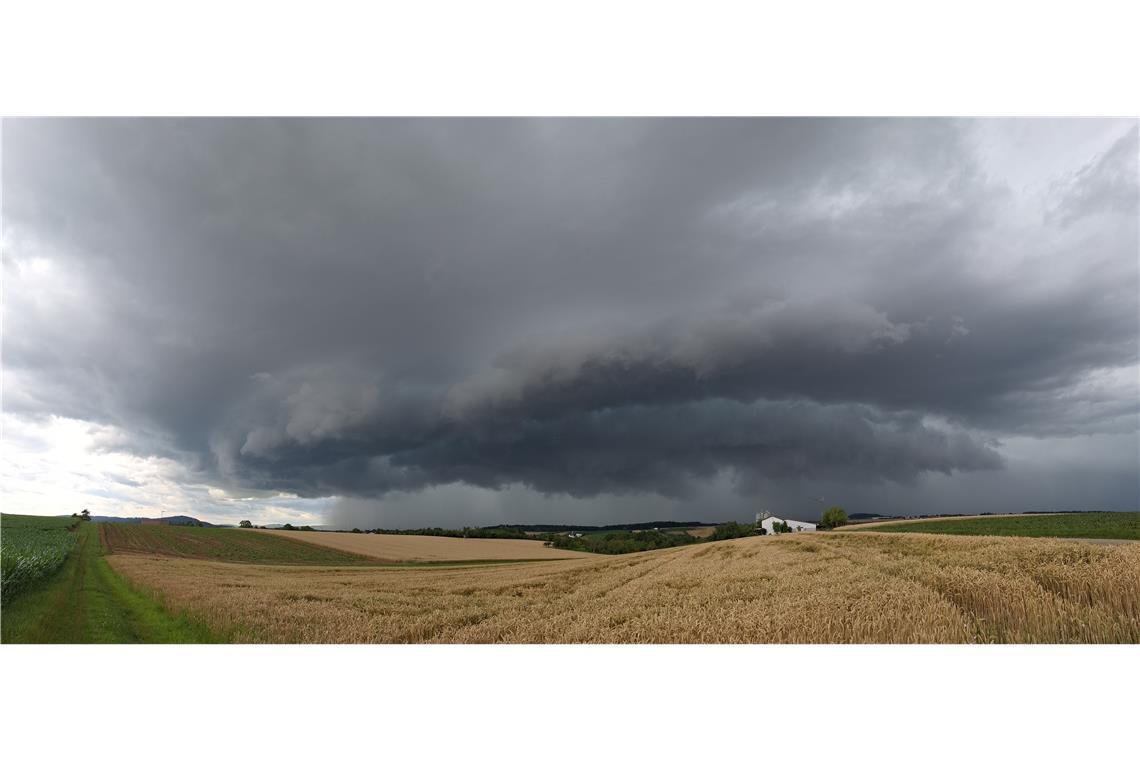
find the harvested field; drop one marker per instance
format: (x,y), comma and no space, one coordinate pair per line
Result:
(402,548)
(702,532)
(820,588)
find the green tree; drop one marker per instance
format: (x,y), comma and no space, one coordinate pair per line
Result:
(781,527)
(732,530)
(833,518)
(85,515)
(245,524)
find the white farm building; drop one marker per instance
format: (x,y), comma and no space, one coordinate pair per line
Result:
(767,521)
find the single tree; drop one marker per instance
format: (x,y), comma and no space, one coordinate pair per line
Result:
(245,524)
(833,518)
(85,515)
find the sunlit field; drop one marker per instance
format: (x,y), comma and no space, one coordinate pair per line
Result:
(403,548)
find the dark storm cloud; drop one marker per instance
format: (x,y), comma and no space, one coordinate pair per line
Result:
(990,375)
(583,307)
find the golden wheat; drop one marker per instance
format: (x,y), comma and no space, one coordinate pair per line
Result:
(401,548)
(822,588)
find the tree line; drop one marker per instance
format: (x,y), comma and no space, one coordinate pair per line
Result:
(620,540)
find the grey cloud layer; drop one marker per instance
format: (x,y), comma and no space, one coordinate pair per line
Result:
(584,307)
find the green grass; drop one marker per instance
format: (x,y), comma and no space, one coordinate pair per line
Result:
(1071,525)
(32,548)
(86,602)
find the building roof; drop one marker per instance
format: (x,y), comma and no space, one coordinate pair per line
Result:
(789,519)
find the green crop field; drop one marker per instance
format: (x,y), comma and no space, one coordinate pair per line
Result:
(222,544)
(32,548)
(86,602)
(1070,525)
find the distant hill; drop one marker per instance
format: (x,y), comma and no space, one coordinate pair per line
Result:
(172,520)
(185,520)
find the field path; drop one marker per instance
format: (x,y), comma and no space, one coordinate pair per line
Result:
(86,602)
(398,548)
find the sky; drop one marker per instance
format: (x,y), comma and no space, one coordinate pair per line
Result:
(400,323)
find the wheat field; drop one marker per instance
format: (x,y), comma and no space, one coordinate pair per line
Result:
(406,548)
(822,588)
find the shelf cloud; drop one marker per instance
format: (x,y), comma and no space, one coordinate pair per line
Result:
(577,317)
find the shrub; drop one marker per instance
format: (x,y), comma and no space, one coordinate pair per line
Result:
(732,530)
(833,518)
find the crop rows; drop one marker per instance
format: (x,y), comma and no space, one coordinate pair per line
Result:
(1104,525)
(223,544)
(32,548)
